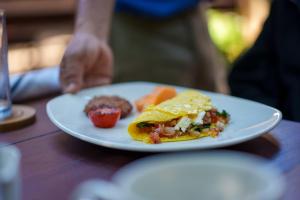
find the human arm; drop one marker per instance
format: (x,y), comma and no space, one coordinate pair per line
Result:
(88,60)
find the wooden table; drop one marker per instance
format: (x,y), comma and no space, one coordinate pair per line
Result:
(54,163)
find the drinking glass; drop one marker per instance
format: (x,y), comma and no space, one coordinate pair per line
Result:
(10,180)
(5,99)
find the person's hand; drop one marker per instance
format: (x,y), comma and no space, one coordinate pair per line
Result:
(87,62)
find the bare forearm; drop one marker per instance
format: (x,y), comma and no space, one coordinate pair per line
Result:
(94,16)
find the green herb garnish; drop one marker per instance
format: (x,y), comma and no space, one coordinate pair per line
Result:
(206,126)
(143,125)
(196,127)
(223,114)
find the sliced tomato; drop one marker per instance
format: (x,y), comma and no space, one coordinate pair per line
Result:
(105,117)
(214,119)
(154,137)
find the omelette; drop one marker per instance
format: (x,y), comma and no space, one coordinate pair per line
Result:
(187,116)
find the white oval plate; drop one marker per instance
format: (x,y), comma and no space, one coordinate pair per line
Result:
(249,119)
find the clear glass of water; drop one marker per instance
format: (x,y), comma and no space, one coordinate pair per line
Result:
(5,99)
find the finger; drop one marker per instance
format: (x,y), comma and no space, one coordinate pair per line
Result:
(106,60)
(101,71)
(97,81)
(71,88)
(71,75)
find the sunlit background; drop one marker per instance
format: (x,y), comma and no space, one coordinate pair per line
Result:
(39,30)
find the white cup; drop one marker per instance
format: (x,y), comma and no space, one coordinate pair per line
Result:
(189,176)
(9,173)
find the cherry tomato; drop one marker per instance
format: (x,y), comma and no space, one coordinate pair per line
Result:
(105,117)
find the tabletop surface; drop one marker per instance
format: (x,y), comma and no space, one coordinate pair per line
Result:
(54,163)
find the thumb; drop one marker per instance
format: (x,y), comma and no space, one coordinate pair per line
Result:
(71,76)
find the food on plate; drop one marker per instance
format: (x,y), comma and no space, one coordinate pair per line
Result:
(105,117)
(109,102)
(189,115)
(158,95)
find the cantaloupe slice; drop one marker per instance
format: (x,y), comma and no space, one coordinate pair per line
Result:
(158,95)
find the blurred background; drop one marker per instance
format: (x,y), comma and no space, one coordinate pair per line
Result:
(39,30)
